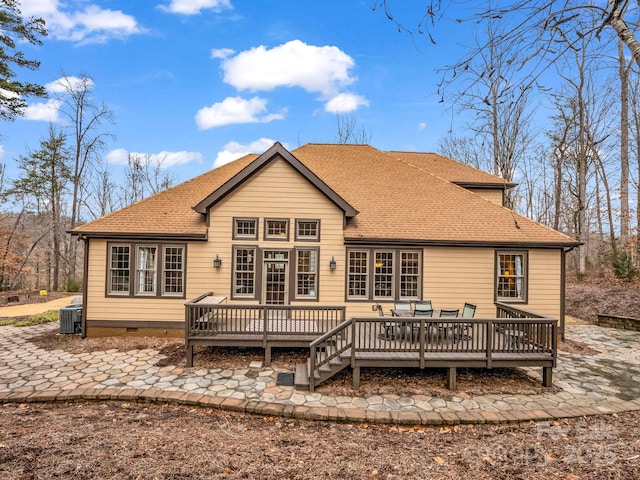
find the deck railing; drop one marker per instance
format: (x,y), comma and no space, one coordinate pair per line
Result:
(515,332)
(203,320)
(327,348)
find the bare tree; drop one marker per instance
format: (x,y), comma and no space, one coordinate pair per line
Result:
(347,132)
(145,176)
(537,32)
(634,104)
(86,118)
(624,68)
(105,198)
(501,123)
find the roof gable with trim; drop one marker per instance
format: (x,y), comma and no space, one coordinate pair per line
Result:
(276,151)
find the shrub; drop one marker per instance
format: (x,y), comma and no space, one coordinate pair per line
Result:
(623,266)
(73,285)
(46,317)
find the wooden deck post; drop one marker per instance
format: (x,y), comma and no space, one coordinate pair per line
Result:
(356,378)
(189,355)
(547,376)
(451,378)
(267,355)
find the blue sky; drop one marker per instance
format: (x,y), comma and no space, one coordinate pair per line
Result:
(200,82)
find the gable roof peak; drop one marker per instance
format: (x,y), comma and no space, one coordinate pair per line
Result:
(276,150)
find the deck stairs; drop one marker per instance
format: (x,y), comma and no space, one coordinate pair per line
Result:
(336,363)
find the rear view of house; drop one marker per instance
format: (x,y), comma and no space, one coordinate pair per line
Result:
(338,225)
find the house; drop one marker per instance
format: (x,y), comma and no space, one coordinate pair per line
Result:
(345,225)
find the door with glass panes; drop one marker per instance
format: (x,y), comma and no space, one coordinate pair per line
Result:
(275,281)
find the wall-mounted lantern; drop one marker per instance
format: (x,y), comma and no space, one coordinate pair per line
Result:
(332,264)
(217,262)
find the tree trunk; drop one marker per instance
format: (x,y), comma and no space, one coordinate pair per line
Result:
(624,34)
(624,147)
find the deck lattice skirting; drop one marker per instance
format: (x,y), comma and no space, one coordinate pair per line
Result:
(514,338)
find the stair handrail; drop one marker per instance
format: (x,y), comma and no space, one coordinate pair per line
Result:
(323,339)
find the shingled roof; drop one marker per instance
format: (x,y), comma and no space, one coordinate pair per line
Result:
(166,214)
(393,198)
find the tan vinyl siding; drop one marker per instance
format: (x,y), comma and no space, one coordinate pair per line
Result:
(453,276)
(493,195)
(545,282)
(100,307)
(276,191)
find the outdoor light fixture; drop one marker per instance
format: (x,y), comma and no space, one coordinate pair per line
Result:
(217,262)
(332,264)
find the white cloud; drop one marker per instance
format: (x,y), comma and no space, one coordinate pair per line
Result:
(222,52)
(2,152)
(195,7)
(76,21)
(234,110)
(48,111)
(322,70)
(64,84)
(235,150)
(163,159)
(422,126)
(345,102)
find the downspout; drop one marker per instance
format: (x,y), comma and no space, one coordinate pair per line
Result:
(563,289)
(85,282)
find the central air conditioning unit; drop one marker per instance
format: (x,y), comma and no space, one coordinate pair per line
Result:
(71,319)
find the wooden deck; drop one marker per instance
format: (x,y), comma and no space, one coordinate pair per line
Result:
(514,338)
(264,326)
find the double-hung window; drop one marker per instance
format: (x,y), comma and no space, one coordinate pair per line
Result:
(409,275)
(146,270)
(173,276)
(389,274)
(244,272)
(383,275)
(511,276)
(358,274)
(306,274)
(119,269)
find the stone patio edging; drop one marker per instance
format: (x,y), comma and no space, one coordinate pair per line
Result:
(331,414)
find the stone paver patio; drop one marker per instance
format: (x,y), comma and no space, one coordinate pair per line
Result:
(602,383)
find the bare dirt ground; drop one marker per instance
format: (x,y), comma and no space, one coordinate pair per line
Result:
(585,300)
(26,297)
(131,441)
(141,441)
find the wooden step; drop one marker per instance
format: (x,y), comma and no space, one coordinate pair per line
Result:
(301,377)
